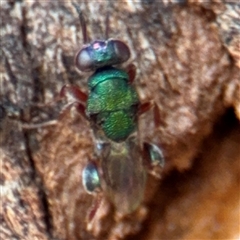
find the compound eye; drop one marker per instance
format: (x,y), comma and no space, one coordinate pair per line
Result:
(121,49)
(83,60)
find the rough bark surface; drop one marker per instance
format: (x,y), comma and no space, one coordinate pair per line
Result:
(187,56)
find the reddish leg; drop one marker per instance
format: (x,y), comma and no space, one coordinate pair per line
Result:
(153,157)
(80,108)
(75,97)
(94,207)
(156,116)
(131,71)
(144,107)
(74,92)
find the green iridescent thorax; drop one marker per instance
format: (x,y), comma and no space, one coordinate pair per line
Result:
(112,103)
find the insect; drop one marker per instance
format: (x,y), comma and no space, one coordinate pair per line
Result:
(112,107)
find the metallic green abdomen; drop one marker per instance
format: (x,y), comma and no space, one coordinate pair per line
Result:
(112,103)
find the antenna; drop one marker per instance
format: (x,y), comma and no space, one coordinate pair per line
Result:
(107,20)
(82,21)
(107,25)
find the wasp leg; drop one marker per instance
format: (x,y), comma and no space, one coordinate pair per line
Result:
(49,123)
(131,71)
(73,92)
(156,115)
(144,107)
(93,210)
(92,185)
(75,97)
(153,159)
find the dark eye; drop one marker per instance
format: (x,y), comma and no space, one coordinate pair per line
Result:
(121,50)
(83,60)
(100,54)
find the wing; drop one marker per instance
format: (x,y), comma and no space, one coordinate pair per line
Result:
(124,175)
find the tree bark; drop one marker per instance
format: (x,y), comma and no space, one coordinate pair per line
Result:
(187,56)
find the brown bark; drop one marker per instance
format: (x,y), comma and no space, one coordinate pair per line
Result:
(187,56)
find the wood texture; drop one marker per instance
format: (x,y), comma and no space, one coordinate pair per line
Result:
(187,56)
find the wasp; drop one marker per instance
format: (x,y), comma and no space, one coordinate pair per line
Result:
(112,107)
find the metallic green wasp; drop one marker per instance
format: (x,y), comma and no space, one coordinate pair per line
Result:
(112,107)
